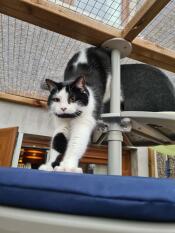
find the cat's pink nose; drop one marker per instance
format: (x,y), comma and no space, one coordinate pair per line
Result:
(63,109)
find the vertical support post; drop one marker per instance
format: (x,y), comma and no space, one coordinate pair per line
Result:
(115,135)
(115,82)
(120,49)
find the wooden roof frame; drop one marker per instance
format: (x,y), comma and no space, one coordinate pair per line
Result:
(23,100)
(68,23)
(142,18)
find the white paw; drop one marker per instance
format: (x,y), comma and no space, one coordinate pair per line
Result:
(45,167)
(68,169)
(58,169)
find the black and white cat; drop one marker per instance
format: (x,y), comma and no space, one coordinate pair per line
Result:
(78,101)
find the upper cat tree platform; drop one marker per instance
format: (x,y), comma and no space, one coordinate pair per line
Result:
(144,128)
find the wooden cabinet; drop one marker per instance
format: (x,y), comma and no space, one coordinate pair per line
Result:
(126,163)
(7,144)
(99,155)
(94,155)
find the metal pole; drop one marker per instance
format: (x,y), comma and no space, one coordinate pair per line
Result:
(115,135)
(115,83)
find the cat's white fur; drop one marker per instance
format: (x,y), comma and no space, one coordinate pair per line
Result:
(52,157)
(58,106)
(107,90)
(82,58)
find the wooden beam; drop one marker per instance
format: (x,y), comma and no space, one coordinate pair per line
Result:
(142,18)
(59,19)
(153,54)
(23,100)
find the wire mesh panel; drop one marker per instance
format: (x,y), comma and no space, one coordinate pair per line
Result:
(29,55)
(115,13)
(162,29)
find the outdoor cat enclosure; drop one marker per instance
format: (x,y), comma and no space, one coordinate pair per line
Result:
(29,54)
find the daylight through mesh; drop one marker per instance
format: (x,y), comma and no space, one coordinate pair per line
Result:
(115,13)
(162,28)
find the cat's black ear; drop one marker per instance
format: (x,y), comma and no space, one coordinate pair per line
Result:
(80,82)
(51,84)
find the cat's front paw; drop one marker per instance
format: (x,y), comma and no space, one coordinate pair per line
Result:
(68,165)
(68,169)
(46,167)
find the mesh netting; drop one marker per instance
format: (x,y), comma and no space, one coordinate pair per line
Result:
(115,13)
(162,28)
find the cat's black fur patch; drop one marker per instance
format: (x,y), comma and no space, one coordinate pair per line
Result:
(59,143)
(58,160)
(82,96)
(73,115)
(52,93)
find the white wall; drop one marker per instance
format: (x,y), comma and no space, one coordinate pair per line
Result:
(142,153)
(100,169)
(29,119)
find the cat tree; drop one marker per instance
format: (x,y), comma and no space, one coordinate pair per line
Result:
(125,122)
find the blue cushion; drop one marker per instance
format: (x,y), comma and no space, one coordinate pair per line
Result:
(92,195)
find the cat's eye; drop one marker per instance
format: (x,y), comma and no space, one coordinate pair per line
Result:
(72,99)
(56,99)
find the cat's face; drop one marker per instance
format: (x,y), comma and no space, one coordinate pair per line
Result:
(67,100)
